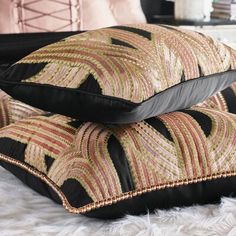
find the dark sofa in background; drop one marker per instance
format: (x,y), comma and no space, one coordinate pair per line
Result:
(157,8)
(15,46)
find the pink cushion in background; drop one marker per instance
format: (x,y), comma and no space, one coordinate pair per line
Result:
(66,15)
(47,15)
(96,14)
(127,11)
(6,18)
(39,15)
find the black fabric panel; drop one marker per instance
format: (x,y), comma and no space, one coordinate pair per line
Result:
(75,193)
(19,72)
(75,123)
(200,70)
(4,67)
(183,77)
(186,195)
(48,161)
(203,120)
(121,164)
(90,85)
(158,125)
(12,148)
(157,8)
(230,99)
(15,46)
(140,32)
(100,108)
(121,43)
(31,181)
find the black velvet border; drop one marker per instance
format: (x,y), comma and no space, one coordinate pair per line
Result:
(207,192)
(201,193)
(100,108)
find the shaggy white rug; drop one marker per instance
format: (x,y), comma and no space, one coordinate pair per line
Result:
(25,213)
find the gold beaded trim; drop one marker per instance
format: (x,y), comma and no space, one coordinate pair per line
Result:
(112,200)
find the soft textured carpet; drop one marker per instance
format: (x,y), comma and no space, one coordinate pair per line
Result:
(24,212)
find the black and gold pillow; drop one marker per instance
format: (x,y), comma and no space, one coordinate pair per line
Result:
(122,74)
(106,171)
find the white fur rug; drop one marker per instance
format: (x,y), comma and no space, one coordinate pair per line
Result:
(25,213)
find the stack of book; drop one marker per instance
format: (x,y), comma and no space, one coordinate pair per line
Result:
(222,9)
(233,10)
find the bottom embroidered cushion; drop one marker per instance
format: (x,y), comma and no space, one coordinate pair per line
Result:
(176,159)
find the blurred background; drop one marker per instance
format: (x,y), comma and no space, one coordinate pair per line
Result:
(214,17)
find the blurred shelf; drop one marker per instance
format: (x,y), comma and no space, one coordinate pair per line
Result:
(170,20)
(223,30)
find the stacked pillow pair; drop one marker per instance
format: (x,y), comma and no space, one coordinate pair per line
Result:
(149,148)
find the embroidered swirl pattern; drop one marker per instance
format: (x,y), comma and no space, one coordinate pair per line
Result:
(132,62)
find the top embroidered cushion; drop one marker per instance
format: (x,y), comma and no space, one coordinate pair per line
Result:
(122,74)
